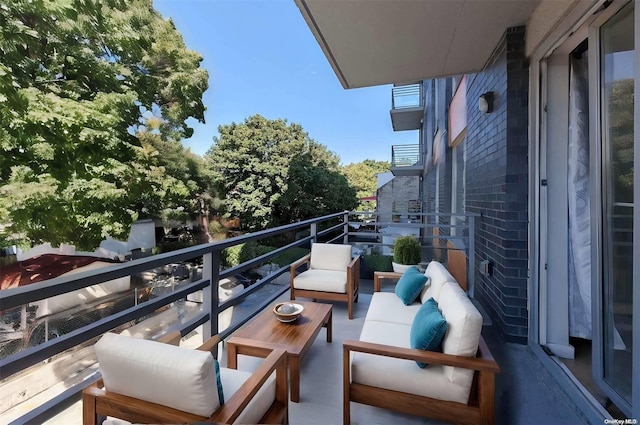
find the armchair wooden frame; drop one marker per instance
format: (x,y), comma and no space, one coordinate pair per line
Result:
(96,401)
(353,284)
(479,409)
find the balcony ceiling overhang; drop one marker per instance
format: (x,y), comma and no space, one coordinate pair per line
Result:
(374,42)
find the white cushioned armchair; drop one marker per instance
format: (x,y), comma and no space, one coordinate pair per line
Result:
(331,274)
(151,382)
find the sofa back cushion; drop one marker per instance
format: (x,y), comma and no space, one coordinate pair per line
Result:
(464,325)
(176,377)
(409,285)
(438,275)
(330,256)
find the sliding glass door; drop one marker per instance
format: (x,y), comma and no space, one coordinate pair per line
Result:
(614,350)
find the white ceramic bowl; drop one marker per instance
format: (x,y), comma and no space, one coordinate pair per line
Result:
(287,312)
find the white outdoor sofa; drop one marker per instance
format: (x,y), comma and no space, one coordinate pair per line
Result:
(380,369)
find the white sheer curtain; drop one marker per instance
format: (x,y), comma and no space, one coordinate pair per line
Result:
(579,213)
(578,190)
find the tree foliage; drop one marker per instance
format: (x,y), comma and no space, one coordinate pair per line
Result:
(362,177)
(620,103)
(92,95)
(312,191)
(273,173)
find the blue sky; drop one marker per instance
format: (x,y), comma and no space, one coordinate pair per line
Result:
(262,58)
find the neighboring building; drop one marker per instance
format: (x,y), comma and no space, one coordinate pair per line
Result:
(384,178)
(526,115)
(398,199)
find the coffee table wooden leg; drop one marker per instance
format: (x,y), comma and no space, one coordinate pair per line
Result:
(329,326)
(294,378)
(232,356)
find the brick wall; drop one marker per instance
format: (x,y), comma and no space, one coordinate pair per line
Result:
(398,192)
(497,183)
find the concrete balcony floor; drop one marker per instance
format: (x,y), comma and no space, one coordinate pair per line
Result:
(525,392)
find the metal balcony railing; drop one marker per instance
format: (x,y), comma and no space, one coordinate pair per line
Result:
(438,233)
(404,97)
(405,155)
(334,229)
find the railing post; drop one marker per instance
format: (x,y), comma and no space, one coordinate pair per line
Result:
(314,232)
(345,219)
(472,255)
(211,271)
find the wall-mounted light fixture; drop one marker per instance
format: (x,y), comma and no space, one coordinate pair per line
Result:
(485,103)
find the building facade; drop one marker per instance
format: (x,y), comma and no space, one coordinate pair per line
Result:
(527,118)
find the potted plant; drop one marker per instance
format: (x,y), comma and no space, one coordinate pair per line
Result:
(406,253)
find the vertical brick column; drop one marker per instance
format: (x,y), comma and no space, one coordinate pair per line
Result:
(497,183)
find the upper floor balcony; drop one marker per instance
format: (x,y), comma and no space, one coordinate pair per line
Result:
(407,107)
(406,160)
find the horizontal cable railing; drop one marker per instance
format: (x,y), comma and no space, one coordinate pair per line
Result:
(210,255)
(405,155)
(435,231)
(408,96)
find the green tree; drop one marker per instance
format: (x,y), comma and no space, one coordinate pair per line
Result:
(313,191)
(362,177)
(255,162)
(620,102)
(86,88)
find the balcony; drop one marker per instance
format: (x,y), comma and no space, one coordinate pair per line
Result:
(407,108)
(406,160)
(525,393)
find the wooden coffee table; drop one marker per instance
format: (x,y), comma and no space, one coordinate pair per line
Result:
(264,333)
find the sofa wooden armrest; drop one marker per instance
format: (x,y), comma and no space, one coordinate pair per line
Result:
(479,410)
(97,401)
(172,338)
(484,364)
(378,276)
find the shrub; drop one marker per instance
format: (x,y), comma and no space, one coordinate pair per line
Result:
(370,263)
(378,263)
(241,253)
(406,250)
(289,256)
(216,229)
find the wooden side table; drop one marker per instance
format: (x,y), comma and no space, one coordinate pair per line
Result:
(378,276)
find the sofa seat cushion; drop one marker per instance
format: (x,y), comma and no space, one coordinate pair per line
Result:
(402,375)
(410,285)
(428,329)
(232,380)
(322,280)
(159,373)
(387,307)
(464,326)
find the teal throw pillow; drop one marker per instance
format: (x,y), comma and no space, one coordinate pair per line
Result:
(428,328)
(410,285)
(218,382)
